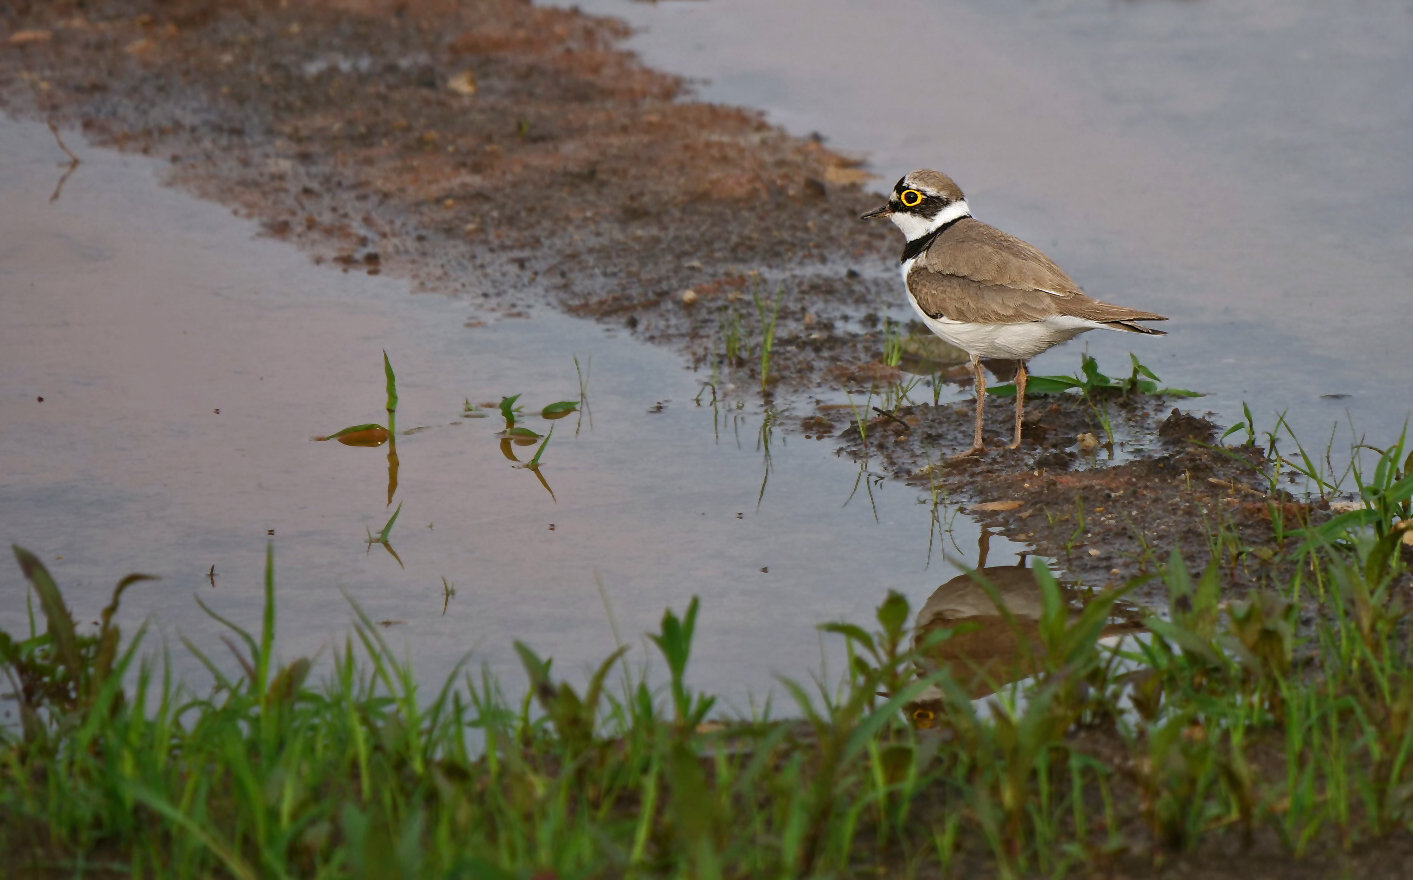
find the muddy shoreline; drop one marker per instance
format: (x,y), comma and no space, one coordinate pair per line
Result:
(514,156)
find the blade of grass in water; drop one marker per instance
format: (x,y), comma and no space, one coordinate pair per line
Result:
(392,394)
(535,462)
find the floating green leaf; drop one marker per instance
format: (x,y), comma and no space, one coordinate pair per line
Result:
(358,429)
(559,410)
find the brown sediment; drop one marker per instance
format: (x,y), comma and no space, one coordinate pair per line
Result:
(515,155)
(1104,523)
(491,148)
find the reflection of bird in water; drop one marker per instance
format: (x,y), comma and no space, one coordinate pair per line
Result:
(989,650)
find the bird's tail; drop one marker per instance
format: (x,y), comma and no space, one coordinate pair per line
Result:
(1132,327)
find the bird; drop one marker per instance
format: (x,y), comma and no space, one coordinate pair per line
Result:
(987,292)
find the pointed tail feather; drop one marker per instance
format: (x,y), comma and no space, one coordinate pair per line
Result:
(1116,317)
(1137,328)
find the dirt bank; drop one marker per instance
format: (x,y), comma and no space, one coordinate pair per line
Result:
(514,155)
(488,147)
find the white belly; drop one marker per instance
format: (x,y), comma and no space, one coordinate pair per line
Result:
(1020,341)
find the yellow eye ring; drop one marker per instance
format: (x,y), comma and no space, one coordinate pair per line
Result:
(910,198)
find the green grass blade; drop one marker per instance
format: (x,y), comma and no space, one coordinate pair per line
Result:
(507,407)
(387,529)
(535,462)
(56,613)
(869,728)
(392,394)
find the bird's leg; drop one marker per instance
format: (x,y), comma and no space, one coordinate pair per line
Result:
(976,444)
(1020,403)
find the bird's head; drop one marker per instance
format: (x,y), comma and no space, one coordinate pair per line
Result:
(921,202)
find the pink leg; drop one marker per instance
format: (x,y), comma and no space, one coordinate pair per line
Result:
(1020,403)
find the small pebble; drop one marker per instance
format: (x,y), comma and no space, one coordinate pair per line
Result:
(464,83)
(20,38)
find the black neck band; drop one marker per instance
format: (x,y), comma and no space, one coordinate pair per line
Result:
(918,245)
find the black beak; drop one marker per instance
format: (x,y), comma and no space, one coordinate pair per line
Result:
(881,212)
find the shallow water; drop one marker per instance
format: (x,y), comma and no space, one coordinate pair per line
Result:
(185,363)
(1242,168)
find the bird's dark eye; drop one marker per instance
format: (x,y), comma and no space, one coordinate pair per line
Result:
(910,198)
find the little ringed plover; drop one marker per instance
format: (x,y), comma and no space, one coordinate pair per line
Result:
(988,293)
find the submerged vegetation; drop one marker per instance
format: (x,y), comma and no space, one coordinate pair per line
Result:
(512,435)
(1278,725)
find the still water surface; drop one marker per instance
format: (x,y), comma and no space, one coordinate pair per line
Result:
(184,364)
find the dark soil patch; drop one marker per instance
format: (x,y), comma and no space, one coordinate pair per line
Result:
(1104,522)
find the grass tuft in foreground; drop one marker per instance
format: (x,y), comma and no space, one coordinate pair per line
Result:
(1219,731)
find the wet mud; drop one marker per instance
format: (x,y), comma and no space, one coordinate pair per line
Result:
(1105,521)
(515,156)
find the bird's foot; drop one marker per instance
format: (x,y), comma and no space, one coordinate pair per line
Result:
(975,452)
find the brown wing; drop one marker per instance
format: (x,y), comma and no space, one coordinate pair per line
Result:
(962,299)
(976,273)
(983,253)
